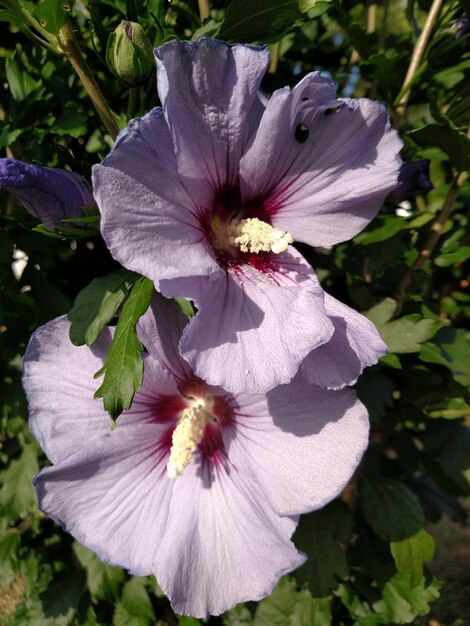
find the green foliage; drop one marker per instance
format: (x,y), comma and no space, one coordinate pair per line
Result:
(391,508)
(124,369)
(320,535)
(368,554)
(410,554)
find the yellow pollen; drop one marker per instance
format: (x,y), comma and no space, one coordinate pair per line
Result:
(254,235)
(186,437)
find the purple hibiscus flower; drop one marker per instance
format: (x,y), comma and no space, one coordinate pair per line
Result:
(200,487)
(206,195)
(48,193)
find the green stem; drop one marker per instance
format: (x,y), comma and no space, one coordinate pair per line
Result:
(416,59)
(133,102)
(72,51)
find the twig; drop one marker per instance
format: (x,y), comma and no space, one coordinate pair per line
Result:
(72,51)
(204,9)
(418,52)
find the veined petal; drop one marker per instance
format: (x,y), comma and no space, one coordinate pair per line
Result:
(355,344)
(112,494)
(160,330)
(301,442)
(59,384)
(149,221)
(253,328)
(323,166)
(223,543)
(209,92)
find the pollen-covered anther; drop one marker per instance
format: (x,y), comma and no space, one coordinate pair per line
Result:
(254,235)
(186,437)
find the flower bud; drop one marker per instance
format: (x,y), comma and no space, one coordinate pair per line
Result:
(48,193)
(413,180)
(129,54)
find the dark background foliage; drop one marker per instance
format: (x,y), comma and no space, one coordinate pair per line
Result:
(408,272)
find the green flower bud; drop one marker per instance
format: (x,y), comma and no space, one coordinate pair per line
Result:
(129,54)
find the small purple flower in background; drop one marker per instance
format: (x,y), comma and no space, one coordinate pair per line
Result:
(412,181)
(200,487)
(48,193)
(206,195)
(461,26)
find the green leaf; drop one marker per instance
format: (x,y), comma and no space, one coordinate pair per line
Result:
(287,606)
(390,508)
(7,137)
(240,615)
(97,304)
(451,258)
(252,20)
(9,558)
(319,535)
(382,228)
(52,15)
(20,82)
(189,621)
(124,368)
(382,312)
(451,348)
(452,141)
(103,581)
(449,409)
(135,607)
(320,5)
(17,495)
(410,554)
(401,603)
(186,307)
(407,333)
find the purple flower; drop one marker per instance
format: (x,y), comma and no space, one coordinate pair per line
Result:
(412,181)
(48,193)
(206,194)
(200,487)
(461,26)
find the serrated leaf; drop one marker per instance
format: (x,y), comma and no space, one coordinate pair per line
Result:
(240,615)
(97,304)
(253,20)
(184,620)
(17,495)
(411,553)
(319,5)
(287,606)
(451,348)
(401,603)
(390,508)
(124,368)
(9,557)
(103,581)
(406,334)
(319,535)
